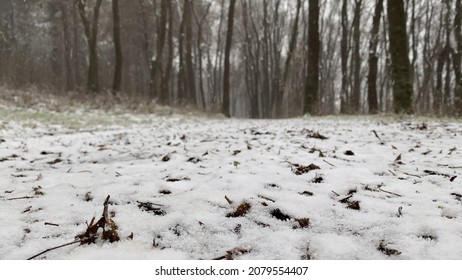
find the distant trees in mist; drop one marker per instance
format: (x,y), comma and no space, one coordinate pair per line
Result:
(244,58)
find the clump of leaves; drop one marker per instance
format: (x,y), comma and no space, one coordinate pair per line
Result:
(298,169)
(235,252)
(108,226)
(236,163)
(240,211)
(315,134)
(303,222)
(38,191)
(387,251)
(318,179)
(156,209)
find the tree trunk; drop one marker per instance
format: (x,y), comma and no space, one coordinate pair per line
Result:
(457,56)
(227,70)
(158,73)
(356,94)
(373,60)
(290,53)
(344,57)
(400,65)
(117,84)
(91,35)
(312,79)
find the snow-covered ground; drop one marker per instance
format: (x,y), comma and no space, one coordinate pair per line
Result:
(197,188)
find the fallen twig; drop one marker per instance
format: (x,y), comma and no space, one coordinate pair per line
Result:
(21,197)
(376,135)
(228,200)
(380,189)
(328,163)
(51,224)
(54,248)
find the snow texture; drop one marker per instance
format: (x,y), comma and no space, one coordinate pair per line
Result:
(374,189)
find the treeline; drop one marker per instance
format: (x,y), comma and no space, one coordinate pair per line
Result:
(244,58)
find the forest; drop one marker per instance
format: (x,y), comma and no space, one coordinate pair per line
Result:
(243,58)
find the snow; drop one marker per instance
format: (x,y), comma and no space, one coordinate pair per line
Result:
(249,161)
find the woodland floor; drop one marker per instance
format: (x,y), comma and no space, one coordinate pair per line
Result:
(191,187)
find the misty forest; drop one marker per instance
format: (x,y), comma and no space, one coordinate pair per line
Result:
(230,129)
(251,59)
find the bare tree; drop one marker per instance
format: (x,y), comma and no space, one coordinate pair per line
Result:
(117,84)
(312,79)
(401,70)
(227,69)
(91,35)
(373,59)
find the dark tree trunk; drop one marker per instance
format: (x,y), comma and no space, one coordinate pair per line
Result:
(356,94)
(91,35)
(312,79)
(190,76)
(117,84)
(227,70)
(400,65)
(156,85)
(344,57)
(373,60)
(457,56)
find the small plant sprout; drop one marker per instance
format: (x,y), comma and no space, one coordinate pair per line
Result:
(236,163)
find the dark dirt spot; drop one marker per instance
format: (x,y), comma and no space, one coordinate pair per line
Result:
(194,160)
(277,213)
(349,153)
(306,193)
(165,192)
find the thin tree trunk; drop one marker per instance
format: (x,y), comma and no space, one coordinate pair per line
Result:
(227,70)
(312,80)
(344,57)
(117,84)
(373,60)
(91,34)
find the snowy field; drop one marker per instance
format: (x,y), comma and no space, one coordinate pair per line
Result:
(185,187)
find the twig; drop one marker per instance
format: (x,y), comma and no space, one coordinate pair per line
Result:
(51,224)
(22,197)
(228,199)
(376,135)
(393,173)
(328,163)
(54,248)
(409,174)
(335,193)
(380,189)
